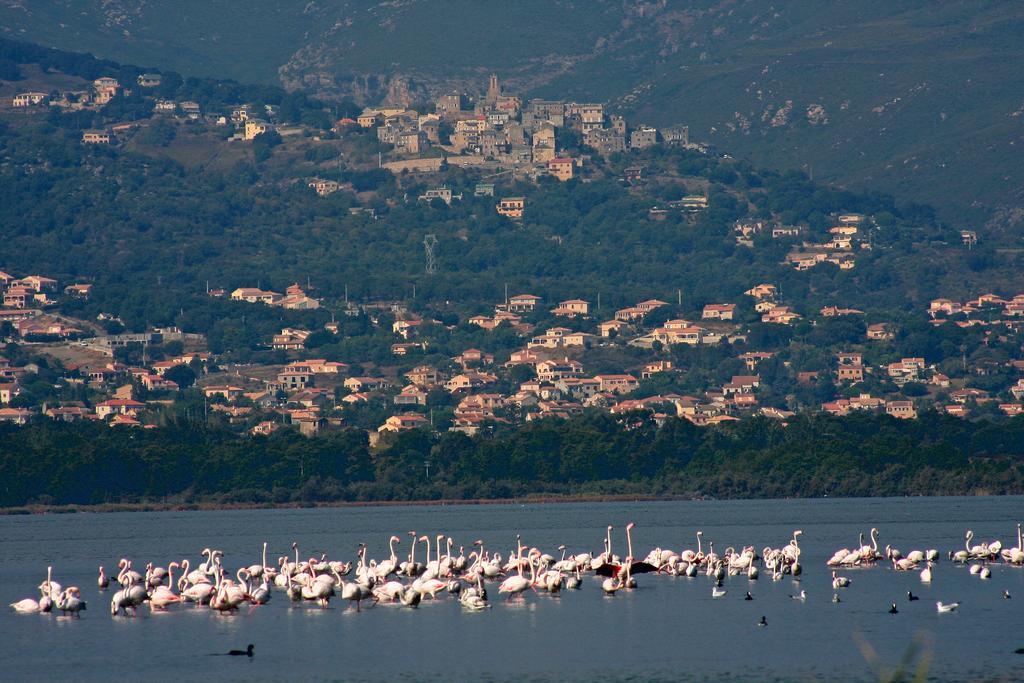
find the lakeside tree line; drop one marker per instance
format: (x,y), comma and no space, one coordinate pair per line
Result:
(814,455)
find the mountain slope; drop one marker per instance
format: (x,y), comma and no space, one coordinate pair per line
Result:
(920,99)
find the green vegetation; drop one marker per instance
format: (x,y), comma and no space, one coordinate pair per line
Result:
(162,231)
(49,463)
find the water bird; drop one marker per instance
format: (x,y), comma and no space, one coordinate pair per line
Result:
(247,652)
(749,596)
(893,610)
(835,597)
(1006,595)
(911,597)
(103,580)
(946,608)
(801,596)
(839,581)
(764,622)
(717,591)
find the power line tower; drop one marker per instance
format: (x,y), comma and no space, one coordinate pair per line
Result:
(429,243)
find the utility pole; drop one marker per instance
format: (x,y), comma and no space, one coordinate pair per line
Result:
(429,243)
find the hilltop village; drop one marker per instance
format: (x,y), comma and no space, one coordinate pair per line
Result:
(387,365)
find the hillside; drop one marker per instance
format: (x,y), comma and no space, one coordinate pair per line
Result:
(914,99)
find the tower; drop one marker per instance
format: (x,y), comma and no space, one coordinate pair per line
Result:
(493,90)
(429,242)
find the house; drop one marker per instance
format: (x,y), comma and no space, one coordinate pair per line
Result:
(256,127)
(79,291)
(403,422)
(523,357)
(840,407)
(903,410)
(1012,409)
(30,99)
(752,358)
(149,80)
(656,367)
(964,396)
(473,357)
(552,370)
(944,306)
(762,291)
(68,413)
(850,373)
(605,141)
(469,380)
(97,137)
(783,231)
(561,168)
(227,391)
(8,391)
(158,383)
(265,428)
(718,312)
(406,328)
(424,376)
(617,384)
(18,416)
(650,305)
(571,308)
(560,337)
(292,381)
(850,358)
(324,187)
(118,406)
(411,395)
(879,331)
(613,328)
(629,313)
(405,348)
(359,384)
(442,193)
(511,207)
(290,339)
(523,303)
(105,89)
(835,311)
(643,137)
(254,295)
(780,315)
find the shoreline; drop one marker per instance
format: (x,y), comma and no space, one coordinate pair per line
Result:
(209,506)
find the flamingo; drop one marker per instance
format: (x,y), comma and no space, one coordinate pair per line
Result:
(926,574)
(26,606)
(515,585)
(390,565)
(71,601)
(103,580)
(839,581)
(162,596)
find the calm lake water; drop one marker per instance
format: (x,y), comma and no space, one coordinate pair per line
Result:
(667,629)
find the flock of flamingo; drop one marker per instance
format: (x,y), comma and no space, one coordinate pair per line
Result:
(406,581)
